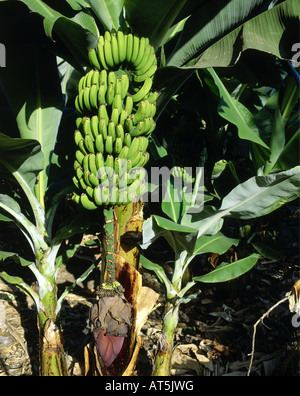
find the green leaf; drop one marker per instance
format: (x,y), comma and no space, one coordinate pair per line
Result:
(17,281)
(261,195)
(160,273)
(227,271)
(34,237)
(152,18)
(216,34)
(267,251)
(24,160)
(35,102)
(236,113)
(217,243)
(109,12)
(172,204)
(15,257)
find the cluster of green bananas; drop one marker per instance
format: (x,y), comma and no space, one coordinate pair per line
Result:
(116,110)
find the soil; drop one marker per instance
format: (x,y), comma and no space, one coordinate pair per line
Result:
(214,334)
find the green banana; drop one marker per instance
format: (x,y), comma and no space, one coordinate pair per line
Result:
(102,113)
(123,117)
(86,202)
(76,182)
(86,178)
(94,181)
(109,145)
(120,132)
(100,53)
(135,50)
(143,43)
(88,80)
(118,145)
(133,149)
(109,165)
(103,77)
(112,130)
(144,142)
(103,127)
(147,59)
(90,191)
(86,126)
(129,47)
(129,104)
(124,152)
(77,136)
(89,144)
(100,163)
(76,198)
(79,173)
(115,49)
(86,98)
(117,103)
(143,91)
(121,46)
(94,126)
(92,164)
(148,65)
(98,195)
(148,74)
(79,156)
(125,85)
(93,58)
(115,115)
(94,96)
(110,94)
(127,139)
(108,52)
(99,143)
(129,123)
(102,93)
(96,78)
(81,146)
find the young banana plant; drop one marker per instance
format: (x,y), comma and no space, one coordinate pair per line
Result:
(193,229)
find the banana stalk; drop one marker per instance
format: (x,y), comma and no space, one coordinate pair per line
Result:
(162,365)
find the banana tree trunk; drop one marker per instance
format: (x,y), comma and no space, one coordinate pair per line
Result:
(51,352)
(162,365)
(127,232)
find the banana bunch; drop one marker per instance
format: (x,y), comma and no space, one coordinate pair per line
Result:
(116,110)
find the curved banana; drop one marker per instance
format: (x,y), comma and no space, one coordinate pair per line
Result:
(148,74)
(143,91)
(87,203)
(99,143)
(93,58)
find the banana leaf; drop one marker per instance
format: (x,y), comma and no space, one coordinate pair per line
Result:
(228,271)
(216,34)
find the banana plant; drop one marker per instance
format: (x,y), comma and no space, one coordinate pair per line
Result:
(191,232)
(34,102)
